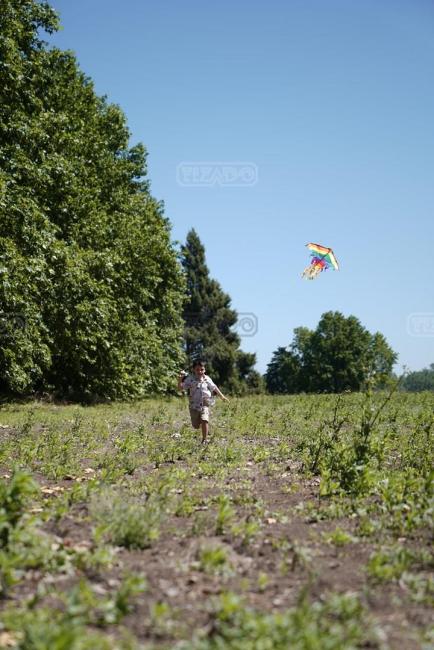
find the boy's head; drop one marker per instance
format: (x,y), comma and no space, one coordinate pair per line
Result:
(199,367)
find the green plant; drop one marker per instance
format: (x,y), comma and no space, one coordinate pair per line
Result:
(246,530)
(126,521)
(340,622)
(294,555)
(214,560)
(161,616)
(15,495)
(225,514)
(263,581)
(58,629)
(85,606)
(339,537)
(392,563)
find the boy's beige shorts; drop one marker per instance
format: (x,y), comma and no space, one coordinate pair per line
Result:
(198,416)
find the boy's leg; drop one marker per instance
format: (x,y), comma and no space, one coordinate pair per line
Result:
(195,418)
(205,429)
(204,423)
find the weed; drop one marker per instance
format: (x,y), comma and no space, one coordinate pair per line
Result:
(339,622)
(392,563)
(214,560)
(246,530)
(263,581)
(225,514)
(15,495)
(339,537)
(126,521)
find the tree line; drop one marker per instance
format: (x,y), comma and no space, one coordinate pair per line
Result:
(419,380)
(95,300)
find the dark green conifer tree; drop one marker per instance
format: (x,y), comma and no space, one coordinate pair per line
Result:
(209,324)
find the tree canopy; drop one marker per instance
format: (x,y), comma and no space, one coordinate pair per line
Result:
(91,290)
(340,354)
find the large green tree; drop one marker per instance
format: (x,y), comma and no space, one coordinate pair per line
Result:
(209,324)
(91,292)
(340,354)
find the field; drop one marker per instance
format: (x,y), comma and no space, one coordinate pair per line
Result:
(305,523)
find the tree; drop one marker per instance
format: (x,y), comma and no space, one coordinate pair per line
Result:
(419,380)
(209,321)
(91,291)
(287,372)
(340,354)
(283,372)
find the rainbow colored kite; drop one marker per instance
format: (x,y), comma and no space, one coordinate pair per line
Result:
(322,259)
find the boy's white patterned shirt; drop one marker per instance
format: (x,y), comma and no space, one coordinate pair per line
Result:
(200,391)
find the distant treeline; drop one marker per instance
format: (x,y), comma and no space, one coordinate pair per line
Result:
(420,380)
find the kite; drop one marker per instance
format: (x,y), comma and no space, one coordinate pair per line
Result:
(322,259)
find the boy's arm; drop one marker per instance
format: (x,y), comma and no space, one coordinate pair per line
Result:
(220,394)
(212,386)
(182,377)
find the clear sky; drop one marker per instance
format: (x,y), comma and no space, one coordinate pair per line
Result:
(331,105)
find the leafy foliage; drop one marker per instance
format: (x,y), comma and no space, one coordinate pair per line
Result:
(340,354)
(337,623)
(91,289)
(14,497)
(126,522)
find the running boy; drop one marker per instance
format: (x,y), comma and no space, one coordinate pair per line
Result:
(200,389)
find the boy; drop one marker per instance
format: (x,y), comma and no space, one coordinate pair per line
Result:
(200,389)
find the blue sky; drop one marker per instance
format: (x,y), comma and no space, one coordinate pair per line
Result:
(331,104)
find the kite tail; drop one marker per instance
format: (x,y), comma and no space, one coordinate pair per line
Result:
(312,271)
